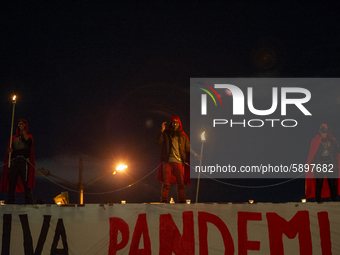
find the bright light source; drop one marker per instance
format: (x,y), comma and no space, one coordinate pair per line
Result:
(14,97)
(123,202)
(251,201)
(62,199)
(121,167)
(303,200)
(203,137)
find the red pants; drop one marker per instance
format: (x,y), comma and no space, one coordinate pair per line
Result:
(177,170)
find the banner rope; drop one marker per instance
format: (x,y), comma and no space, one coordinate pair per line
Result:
(130,185)
(95,193)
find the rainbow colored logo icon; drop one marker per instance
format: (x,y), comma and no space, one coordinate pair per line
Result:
(209,93)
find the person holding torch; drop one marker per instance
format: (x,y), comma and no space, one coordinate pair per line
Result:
(19,176)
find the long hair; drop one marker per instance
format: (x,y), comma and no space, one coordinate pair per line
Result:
(172,131)
(329,136)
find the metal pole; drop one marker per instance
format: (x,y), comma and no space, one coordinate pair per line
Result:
(81,185)
(199,173)
(10,139)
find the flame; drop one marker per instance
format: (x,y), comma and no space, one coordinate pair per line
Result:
(121,167)
(203,136)
(14,97)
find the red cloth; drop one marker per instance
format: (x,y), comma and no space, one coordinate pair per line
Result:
(187,165)
(169,170)
(4,185)
(173,178)
(310,181)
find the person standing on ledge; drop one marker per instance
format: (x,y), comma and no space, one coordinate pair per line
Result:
(323,157)
(175,157)
(20,177)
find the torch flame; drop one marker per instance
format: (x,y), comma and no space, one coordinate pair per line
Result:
(14,97)
(203,136)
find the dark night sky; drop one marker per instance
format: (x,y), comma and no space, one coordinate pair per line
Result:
(98,80)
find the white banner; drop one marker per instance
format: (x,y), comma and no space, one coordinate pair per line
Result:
(136,229)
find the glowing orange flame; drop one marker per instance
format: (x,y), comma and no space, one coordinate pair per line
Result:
(14,97)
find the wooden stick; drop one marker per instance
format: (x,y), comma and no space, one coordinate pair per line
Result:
(10,139)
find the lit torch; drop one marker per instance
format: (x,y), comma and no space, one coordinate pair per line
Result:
(14,100)
(199,172)
(203,137)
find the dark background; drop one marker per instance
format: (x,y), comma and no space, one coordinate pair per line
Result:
(99,79)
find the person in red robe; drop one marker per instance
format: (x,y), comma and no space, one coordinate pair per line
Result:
(20,177)
(175,156)
(324,159)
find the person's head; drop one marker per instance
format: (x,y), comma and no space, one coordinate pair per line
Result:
(175,125)
(323,129)
(22,125)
